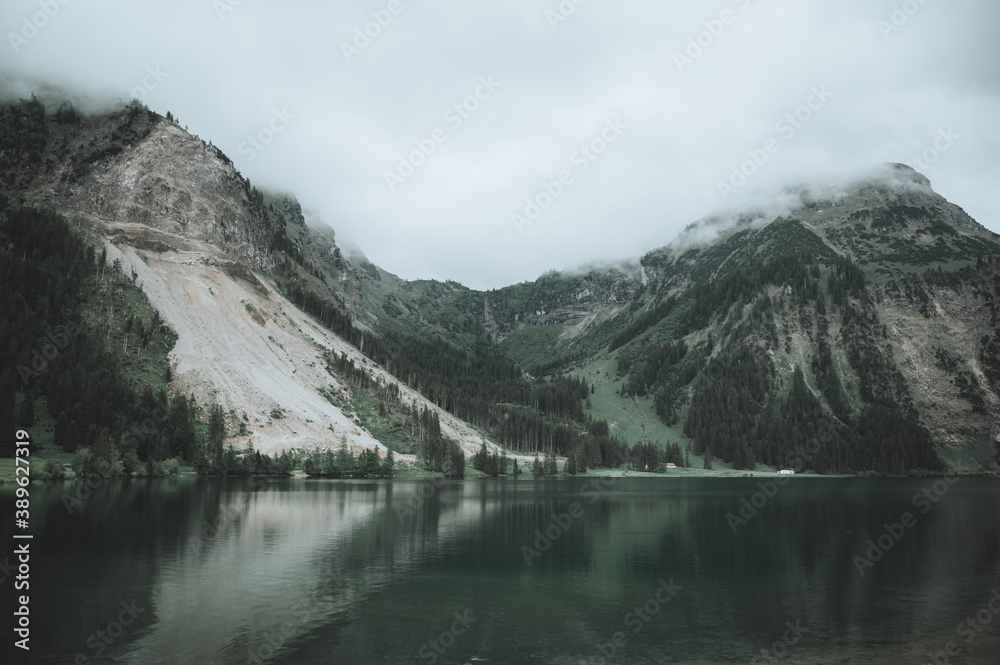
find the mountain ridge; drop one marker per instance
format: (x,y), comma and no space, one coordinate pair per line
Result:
(861,303)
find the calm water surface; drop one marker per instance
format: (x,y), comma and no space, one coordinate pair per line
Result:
(311,571)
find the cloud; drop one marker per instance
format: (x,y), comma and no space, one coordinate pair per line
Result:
(228,72)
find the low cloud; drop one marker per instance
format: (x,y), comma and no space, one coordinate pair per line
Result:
(891,98)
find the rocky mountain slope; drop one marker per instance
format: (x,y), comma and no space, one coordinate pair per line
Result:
(880,292)
(861,315)
(203,246)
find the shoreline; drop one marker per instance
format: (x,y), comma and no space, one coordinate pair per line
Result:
(410,474)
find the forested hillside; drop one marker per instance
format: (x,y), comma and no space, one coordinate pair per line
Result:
(50,157)
(864,319)
(82,344)
(853,332)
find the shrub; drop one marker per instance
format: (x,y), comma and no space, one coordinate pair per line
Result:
(171,467)
(83,463)
(55,469)
(131,464)
(51,470)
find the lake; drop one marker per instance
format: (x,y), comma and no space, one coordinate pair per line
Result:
(591,570)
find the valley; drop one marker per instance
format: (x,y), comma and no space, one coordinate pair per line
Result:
(858,306)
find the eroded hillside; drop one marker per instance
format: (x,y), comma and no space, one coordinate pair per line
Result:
(202,244)
(864,313)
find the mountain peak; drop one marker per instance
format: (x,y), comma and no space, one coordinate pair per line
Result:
(908,173)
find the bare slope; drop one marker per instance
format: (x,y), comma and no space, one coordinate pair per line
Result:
(175,212)
(242,344)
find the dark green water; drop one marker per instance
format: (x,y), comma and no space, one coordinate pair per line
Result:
(337,572)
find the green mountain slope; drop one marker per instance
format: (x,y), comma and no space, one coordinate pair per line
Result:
(854,331)
(866,315)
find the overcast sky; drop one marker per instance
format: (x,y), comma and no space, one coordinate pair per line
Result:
(666,97)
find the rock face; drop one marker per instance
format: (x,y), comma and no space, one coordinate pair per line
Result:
(881,282)
(571,300)
(204,247)
(931,279)
(876,291)
(316,246)
(340,274)
(243,345)
(175,182)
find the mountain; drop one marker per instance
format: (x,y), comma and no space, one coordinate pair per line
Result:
(162,233)
(864,312)
(850,329)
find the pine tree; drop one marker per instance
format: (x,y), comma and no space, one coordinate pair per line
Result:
(517,470)
(551,466)
(708,459)
(216,431)
(454,465)
(59,437)
(105,453)
(536,467)
(479,460)
(181,427)
(571,464)
(27,416)
(6,418)
(161,449)
(345,460)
